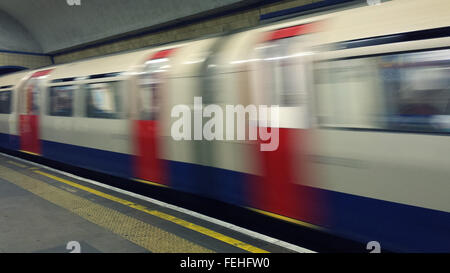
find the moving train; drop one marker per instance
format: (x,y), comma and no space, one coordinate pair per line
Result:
(363,103)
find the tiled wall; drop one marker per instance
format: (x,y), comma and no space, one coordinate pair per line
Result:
(240,20)
(24,60)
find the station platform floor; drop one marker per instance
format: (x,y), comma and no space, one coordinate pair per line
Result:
(47,211)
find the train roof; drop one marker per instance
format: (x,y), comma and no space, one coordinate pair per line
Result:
(102,65)
(399,16)
(116,63)
(14,78)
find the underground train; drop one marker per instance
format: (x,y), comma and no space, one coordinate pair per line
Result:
(362,123)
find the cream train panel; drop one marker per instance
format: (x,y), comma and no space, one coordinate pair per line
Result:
(402,168)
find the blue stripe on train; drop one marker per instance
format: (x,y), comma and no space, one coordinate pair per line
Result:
(98,160)
(8,141)
(396,226)
(220,184)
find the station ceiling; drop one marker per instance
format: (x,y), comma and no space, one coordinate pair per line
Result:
(51,26)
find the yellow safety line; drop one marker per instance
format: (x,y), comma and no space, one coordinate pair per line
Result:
(31,153)
(167,217)
(17,164)
(287,219)
(150,183)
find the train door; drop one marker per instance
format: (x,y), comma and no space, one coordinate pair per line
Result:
(148,163)
(30,101)
(281,82)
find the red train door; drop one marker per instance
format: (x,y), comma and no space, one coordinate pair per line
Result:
(29,117)
(148,164)
(282,74)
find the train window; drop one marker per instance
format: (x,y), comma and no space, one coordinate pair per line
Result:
(150,88)
(103,100)
(282,73)
(418,90)
(32,93)
(400,92)
(61,101)
(349,93)
(5,102)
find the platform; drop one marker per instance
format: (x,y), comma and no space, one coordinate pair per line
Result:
(42,210)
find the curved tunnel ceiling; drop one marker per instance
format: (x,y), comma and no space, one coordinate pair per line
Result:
(15,37)
(49,26)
